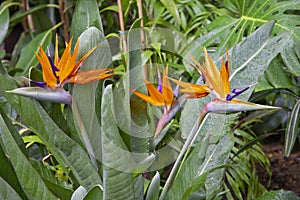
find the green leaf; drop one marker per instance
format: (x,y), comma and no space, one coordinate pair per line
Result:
(86,15)
(30,180)
(279,195)
(79,193)
(7,192)
(84,96)
(276,75)
(248,60)
(117,160)
(94,193)
(4,23)
(292,129)
(170,5)
(64,149)
(153,188)
(230,31)
(27,58)
(204,157)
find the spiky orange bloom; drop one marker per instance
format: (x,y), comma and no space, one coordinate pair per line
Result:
(65,69)
(216,82)
(164,97)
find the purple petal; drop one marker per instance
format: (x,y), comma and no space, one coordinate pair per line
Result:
(38,83)
(159,84)
(54,68)
(236,92)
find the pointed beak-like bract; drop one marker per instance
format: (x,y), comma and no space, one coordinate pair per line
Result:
(60,71)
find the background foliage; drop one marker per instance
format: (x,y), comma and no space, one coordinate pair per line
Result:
(84,150)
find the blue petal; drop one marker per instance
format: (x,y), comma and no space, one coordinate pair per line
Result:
(236,92)
(38,83)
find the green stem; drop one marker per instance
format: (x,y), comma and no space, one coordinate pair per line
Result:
(189,141)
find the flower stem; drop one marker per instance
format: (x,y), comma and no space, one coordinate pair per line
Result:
(189,141)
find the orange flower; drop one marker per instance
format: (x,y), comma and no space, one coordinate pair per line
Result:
(65,69)
(216,82)
(156,97)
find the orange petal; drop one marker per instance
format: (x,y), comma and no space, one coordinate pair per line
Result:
(77,65)
(67,62)
(148,98)
(48,75)
(167,92)
(154,93)
(91,75)
(56,59)
(225,76)
(193,90)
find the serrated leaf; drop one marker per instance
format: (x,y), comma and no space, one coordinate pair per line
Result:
(292,129)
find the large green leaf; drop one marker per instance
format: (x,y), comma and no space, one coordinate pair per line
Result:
(84,96)
(7,192)
(86,15)
(117,160)
(30,180)
(64,149)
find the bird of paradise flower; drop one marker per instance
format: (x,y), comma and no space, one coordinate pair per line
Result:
(217,83)
(58,72)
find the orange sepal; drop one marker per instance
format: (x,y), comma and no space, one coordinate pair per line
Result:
(148,98)
(167,92)
(48,75)
(90,76)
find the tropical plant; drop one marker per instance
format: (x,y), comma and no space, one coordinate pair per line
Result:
(101,140)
